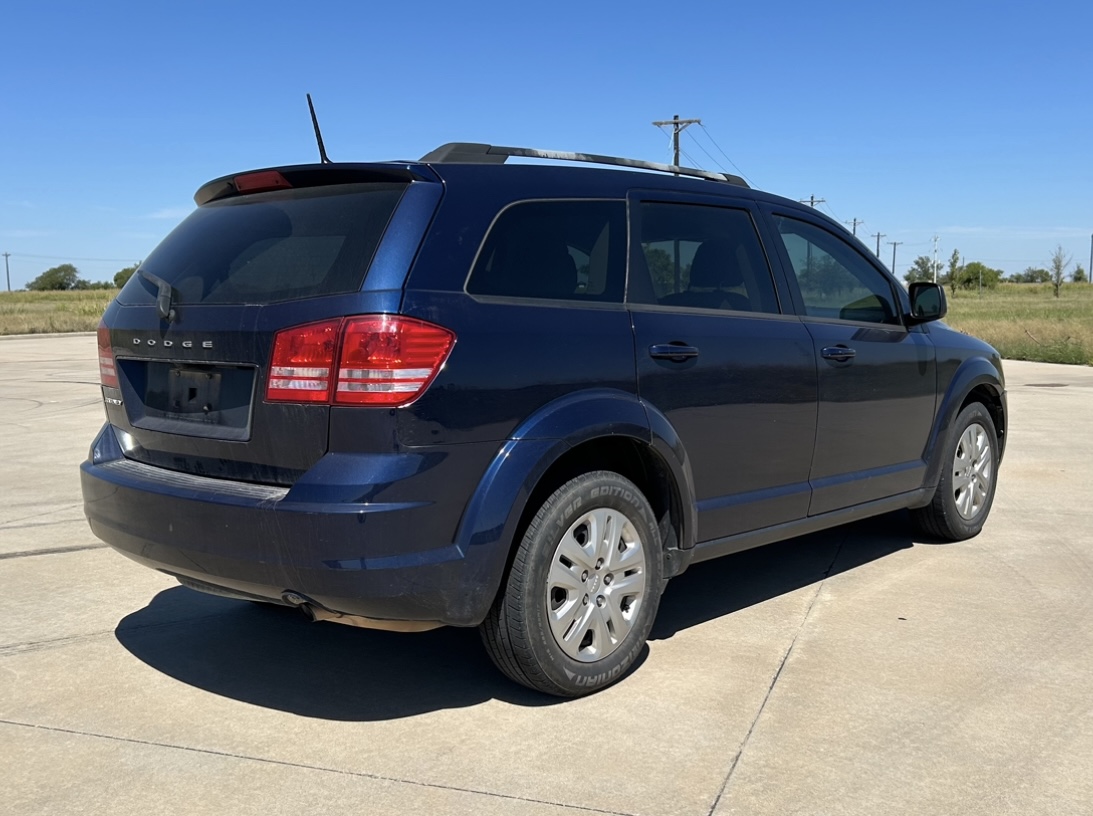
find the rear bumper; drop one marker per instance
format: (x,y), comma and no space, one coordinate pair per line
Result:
(358,533)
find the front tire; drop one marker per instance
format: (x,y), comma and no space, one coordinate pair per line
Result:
(965,492)
(579,600)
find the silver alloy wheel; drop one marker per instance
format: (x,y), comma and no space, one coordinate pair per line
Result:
(596,584)
(972,470)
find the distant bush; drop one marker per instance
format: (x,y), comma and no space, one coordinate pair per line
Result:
(122,277)
(64,278)
(59,278)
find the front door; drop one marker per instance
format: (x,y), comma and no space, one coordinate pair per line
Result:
(877,377)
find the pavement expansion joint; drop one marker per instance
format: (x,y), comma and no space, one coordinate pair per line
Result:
(48,643)
(307,767)
(47,550)
(774,680)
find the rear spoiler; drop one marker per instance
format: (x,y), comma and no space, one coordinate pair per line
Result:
(311,175)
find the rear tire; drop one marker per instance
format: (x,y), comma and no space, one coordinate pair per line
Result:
(965,492)
(577,604)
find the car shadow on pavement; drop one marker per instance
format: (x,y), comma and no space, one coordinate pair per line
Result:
(273,657)
(713,589)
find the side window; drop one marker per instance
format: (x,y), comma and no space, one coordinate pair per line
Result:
(703,257)
(835,280)
(555,250)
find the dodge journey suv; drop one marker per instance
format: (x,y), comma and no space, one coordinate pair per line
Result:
(520,397)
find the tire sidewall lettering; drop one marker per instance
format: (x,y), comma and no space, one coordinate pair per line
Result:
(564,670)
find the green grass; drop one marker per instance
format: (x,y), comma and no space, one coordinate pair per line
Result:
(47,312)
(1027,322)
(1023,321)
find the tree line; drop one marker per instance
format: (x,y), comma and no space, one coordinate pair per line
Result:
(66,277)
(957,275)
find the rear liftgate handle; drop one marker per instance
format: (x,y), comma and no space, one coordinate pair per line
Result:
(676,351)
(840,354)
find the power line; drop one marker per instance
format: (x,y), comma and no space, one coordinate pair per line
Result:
(689,158)
(726,155)
(67,258)
(707,152)
(831,211)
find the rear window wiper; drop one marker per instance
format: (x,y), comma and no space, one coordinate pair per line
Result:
(165,298)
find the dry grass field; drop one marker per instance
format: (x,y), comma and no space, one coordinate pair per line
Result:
(48,312)
(1023,321)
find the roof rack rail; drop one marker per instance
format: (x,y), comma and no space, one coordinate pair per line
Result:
(475,153)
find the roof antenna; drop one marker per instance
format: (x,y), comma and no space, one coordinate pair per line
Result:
(318,136)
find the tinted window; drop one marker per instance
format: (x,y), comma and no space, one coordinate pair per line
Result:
(703,257)
(835,280)
(266,247)
(562,250)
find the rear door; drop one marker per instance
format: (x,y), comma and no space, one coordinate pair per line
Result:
(191,380)
(734,376)
(877,377)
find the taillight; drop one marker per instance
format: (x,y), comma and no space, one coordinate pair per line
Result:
(389,360)
(108,372)
(384,360)
(261,181)
(302,361)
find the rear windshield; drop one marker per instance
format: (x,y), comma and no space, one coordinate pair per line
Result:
(268,247)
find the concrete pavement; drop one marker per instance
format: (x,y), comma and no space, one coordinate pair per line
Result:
(850,672)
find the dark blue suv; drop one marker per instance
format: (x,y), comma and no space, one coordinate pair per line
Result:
(520,397)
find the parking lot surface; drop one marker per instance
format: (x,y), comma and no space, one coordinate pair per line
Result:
(856,671)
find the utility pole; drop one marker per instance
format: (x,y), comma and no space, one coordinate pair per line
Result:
(894,245)
(936,239)
(7,274)
(677,126)
(812,201)
(854,225)
(878,236)
(1089,271)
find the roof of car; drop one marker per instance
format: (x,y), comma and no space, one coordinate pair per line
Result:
(554,174)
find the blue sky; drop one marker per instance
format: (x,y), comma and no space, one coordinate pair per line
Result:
(972,121)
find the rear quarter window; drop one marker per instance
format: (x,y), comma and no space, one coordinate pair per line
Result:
(554,250)
(274,246)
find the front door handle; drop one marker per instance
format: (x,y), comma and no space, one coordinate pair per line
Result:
(840,353)
(676,352)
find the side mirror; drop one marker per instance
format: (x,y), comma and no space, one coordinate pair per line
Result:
(927,302)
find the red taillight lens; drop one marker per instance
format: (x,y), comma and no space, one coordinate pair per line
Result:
(385,360)
(389,360)
(303,358)
(108,371)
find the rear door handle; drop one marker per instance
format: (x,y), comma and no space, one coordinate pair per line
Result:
(840,353)
(676,352)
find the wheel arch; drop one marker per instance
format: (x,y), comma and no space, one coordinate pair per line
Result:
(976,380)
(557,444)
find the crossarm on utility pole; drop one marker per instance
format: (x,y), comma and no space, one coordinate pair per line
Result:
(878,236)
(677,125)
